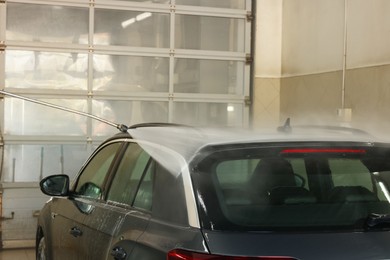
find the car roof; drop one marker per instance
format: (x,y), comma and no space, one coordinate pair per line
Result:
(187,140)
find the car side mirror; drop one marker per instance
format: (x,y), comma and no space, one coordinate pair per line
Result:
(55,185)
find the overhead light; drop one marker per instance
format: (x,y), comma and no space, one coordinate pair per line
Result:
(127,22)
(143,16)
(138,18)
(230,108)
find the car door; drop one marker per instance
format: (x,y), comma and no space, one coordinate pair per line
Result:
(71,238)
(117,213)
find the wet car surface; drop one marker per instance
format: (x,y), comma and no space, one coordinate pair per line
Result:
(172,192)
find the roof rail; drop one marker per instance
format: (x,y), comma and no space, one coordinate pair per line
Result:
(156,124)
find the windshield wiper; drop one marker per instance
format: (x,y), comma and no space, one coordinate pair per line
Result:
(375,221)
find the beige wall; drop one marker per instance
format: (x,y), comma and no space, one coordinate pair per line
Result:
(268,64)
(309,74)
(312,40)
(368,94)
(311,99)
(266,102)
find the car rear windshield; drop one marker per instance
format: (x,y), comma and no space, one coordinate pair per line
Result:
(294,187)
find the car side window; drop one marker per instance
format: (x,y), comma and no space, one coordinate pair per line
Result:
(129,173)
(350,172)
(168,196)
(144,197)
(91,181)
(235,173)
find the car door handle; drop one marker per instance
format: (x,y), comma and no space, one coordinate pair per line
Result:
(76,232)
(118,253)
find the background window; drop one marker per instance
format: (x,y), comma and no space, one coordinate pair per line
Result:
(236,4)
(55,23)
(31,163)
(20,118)
(209,33)
(46,70)
(131,28)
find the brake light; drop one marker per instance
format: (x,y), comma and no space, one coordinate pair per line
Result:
(323,150)
(179,254)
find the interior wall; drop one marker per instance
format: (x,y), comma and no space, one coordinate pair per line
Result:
(368,95)
(312,60)
(266,102)
(312,98)
(312,41)
(368,33)
(268,64)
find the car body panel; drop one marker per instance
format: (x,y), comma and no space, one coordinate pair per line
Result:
(64,217)
(129,230)
(102,222)
(160,237)
(319,246)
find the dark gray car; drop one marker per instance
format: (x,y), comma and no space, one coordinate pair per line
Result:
(170,192)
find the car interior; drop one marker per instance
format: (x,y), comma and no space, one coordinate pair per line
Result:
(298,191)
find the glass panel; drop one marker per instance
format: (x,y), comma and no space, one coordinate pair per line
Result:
(131,28)
(209,33)
(128,175)
(128,113)
(26,118)
(130,73)
(169,197)
(144,1)
(44,23)
(90,182)
(144,197)
(350,172)
(236,4)
(231,173)
(299,168)
(209,76)
(30,163)
(46,70)
(257,187)
(208,114)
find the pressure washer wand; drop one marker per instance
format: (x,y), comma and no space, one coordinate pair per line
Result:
(120,127)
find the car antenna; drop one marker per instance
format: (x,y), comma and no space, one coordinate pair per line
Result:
(286,128)
(121,127)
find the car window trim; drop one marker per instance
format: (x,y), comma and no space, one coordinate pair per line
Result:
(148,164)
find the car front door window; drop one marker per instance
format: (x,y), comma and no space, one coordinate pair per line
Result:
(91,181)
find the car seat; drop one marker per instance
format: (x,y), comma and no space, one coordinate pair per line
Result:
(271,173)
(274,179)
(347,194)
